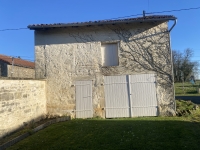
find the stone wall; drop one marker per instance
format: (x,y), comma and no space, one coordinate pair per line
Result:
(7,70)
(20,72)
(21,101)
(64,56)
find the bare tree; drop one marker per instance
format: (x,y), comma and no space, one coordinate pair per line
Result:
(184,67)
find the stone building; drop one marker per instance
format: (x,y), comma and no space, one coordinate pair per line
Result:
(109,68)
(16,67)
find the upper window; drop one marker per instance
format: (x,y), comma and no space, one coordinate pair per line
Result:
(110,54)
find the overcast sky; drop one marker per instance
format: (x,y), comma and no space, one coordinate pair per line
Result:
(15,14)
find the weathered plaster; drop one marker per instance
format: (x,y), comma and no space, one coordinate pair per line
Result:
(64,56)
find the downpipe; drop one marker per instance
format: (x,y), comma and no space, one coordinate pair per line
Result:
(175,21)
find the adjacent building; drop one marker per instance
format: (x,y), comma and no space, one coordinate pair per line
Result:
(16,67)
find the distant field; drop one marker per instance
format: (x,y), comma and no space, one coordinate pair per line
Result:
(187,89)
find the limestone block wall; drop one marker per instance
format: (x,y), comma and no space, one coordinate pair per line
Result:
(64,56)
(21,101)
(20,72)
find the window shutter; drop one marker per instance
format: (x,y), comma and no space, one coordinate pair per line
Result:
(110,54)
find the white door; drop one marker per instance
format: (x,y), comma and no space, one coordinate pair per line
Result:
(143,95)
(130,95)
(116,96)
(84,107)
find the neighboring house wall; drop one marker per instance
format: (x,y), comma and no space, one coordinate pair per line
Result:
(20,72)
(7,70)
(21,101)
(64,56)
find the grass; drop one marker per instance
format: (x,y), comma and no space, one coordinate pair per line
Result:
(187,90)
(27,128)
(137,133)
(126,133)
(14,135)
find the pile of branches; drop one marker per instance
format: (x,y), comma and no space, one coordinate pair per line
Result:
(185,108)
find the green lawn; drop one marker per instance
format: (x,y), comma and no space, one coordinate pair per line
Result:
(131,133)
(187,89)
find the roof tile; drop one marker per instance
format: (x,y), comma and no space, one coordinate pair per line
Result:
(17,61)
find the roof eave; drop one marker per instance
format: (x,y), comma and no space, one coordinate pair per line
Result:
(5,61)
(35,27)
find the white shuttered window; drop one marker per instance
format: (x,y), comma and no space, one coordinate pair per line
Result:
(110,54)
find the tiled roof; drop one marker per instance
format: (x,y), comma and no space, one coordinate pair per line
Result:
(17,62)
(102,22)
